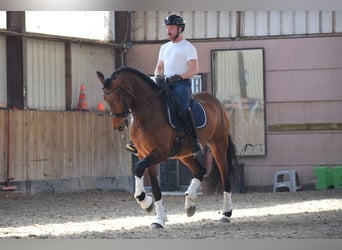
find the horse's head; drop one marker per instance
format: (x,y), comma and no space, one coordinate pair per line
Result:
(113,94)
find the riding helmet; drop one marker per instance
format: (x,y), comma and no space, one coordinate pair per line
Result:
(175,20)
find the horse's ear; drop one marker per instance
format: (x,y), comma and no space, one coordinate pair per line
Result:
(100,76)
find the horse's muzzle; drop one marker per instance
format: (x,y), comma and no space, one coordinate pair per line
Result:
(122,127)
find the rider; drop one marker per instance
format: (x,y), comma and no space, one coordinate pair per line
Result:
(177,63)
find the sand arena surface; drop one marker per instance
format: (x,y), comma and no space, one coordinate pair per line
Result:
(116,215)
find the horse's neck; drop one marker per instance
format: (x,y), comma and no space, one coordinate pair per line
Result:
(147,103)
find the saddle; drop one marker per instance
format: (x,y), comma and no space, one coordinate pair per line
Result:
(197,111)
(170,105)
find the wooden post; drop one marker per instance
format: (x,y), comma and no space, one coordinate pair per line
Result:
(15,59)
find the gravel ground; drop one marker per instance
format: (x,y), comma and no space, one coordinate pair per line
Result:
(116,215)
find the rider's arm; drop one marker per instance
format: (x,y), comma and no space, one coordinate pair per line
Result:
(159,70)
(193,69)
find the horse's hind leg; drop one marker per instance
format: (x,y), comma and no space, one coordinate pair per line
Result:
(191,193)
(219,152)
(161,217)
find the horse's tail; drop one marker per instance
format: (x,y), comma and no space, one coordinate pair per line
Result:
(212,181)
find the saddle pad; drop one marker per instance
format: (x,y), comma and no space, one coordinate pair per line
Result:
(198,112)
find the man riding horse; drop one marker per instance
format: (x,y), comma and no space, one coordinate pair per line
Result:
(177,63)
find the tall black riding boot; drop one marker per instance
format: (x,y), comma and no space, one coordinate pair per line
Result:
(189,122)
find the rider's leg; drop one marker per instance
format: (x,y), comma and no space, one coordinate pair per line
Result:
(183,91)
(188,120)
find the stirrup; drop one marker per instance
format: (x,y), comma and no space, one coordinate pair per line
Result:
(130,147)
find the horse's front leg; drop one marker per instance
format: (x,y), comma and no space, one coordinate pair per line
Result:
(140,195)
(144,200)
(161,216)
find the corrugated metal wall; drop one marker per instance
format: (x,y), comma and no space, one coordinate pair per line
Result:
(45,74)
(148,25)
(86,60)
(3,77)
(46,87)
(274,23)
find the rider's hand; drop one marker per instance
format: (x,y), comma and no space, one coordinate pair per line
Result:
(175,78)
(159,79)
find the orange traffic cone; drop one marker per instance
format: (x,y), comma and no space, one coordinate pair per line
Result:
(82,103)
(101,108)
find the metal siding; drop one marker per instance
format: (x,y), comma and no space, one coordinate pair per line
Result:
(226,24)
(262,23)
(212,31)
(199,24)
(338,21)
(148,25)
(300,22)
(274,23)
(45,74)
(3,77)
(151,27)
(327,22)
(248,28)
(189,23)
(86,60)
(313,22)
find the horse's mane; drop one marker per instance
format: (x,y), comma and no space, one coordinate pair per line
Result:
(139,73)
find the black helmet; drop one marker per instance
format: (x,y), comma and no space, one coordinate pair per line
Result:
(175,20)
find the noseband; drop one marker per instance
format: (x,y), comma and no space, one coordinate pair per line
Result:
(122,96)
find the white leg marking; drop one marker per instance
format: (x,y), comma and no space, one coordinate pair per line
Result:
(227,202)
(192,189)
(191,196)
(139,189)
(161,215)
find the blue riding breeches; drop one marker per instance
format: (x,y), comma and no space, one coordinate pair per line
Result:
(183,91)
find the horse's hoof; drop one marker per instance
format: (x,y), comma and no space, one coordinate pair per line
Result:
(228,214)
(225,219)
(149,209)
(190,211)
(156,226)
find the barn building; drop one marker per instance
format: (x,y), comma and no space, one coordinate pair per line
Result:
(278,73)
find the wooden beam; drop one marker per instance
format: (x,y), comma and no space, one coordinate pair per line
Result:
(15,59)
(68,76)
(304,127)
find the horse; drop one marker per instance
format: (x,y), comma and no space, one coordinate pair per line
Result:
(128,91)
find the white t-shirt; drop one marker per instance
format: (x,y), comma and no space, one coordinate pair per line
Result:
(176,56)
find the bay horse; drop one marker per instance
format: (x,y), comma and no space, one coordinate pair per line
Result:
(129,91)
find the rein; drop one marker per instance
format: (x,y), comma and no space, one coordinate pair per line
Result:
(137,109)
(127,110)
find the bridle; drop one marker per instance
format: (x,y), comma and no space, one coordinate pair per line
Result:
(126,111)
(122,96)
